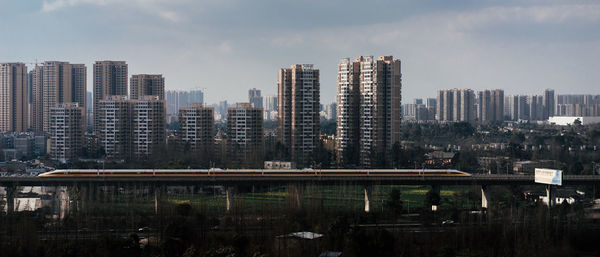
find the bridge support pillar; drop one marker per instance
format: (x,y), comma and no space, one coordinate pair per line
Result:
(10,198)
(159,193)
(229,192)
(435,189)
(368,195)
(484,197)
(549,196)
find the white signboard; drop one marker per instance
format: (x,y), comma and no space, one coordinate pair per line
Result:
(548,176)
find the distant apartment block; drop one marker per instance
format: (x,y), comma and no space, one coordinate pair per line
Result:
(67,130)
(55,83)
(245,136)
(177,99)
(147,85)
(490,106)
(270,107)
(131,128)
(255,98)
(197,128)
(298,111)
(455,105)
(14,103)
(110,78)
(369,108)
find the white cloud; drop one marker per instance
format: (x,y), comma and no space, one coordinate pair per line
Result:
(161,8)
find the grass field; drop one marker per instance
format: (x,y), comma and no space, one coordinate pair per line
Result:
(343,198)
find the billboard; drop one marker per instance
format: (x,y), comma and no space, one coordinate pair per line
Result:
(548,176)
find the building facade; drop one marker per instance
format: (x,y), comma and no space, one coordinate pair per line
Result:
(14,103)
(456,105)
(369,109)
(67,130)
(245,144)
(147,84)
(197,128)
(490,105)
(110,78)
(298,111)
(131,128)
(55,83)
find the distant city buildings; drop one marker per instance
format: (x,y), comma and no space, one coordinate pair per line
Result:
(298,111)
(254,97)
(14,99)
(456,105)
(176,99)
(369,109)
(270,108)
(490,106)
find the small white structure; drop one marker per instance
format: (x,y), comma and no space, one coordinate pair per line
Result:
(569,120)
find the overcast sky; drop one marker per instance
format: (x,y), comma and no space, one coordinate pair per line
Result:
(229,46)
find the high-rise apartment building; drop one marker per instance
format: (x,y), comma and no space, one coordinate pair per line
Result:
(455,105)
(55,83)
(490,106)
(110,78)
(298,111)
(536,107)
(255,98)
(197,128)
(549,103)
(245,136)
(67,130)
(147,84)
(114,129)
(369,109)
(148,126)
(14,106)
(131,128)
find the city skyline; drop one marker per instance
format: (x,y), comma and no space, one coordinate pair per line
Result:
(519,47)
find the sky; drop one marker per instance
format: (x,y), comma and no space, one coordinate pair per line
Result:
(226,47)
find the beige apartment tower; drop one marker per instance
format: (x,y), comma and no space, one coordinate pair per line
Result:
(147,84)
(110,78)
(14,110)
(298,111)
(55,83)
(369,110)
(67,129)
